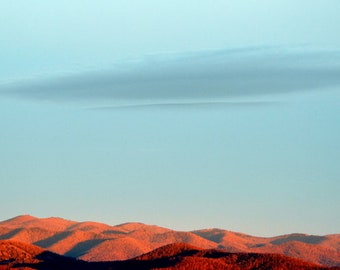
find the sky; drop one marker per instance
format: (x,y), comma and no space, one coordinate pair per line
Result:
(184,114)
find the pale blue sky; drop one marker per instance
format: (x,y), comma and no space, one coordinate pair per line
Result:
(187,114)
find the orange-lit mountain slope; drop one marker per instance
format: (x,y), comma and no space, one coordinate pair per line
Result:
(16,255)
(93,241)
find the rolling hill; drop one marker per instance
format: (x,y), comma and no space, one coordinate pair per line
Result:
(16,255)
(93,241)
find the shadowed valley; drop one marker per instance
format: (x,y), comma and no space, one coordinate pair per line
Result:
(16,255)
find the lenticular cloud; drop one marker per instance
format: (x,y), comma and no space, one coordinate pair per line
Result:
(192,77)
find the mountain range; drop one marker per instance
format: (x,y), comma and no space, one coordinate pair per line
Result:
(178,256)
(98,242)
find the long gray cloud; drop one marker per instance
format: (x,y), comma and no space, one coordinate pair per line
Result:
(193,104)
(197,76)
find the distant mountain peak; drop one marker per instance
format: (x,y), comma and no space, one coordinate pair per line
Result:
(20,219)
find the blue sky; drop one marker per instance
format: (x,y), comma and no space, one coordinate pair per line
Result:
(183,114)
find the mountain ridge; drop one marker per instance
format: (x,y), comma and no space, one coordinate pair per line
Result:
(94,241)
(17,255)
